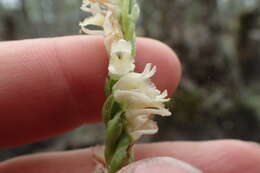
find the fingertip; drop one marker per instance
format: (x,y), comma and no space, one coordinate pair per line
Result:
(159,164)
(224,156)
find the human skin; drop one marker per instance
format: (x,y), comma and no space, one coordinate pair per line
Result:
(49,86)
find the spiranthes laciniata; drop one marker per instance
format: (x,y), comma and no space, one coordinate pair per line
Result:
(132,98)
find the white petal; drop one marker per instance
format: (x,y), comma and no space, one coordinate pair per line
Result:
(136,100)
(129,81)
(108,24)
(149,71)
(91,32)
(147,68)
(123,96)
(138,122)
(148,129)
(97,20)
(163,94)
(163,100)
(91,7)
(162,112)
(121,46)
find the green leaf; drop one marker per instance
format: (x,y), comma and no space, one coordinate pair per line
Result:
(135,13)
(114,130)
(122,155)
(125,19)
(109,86)
(110,109)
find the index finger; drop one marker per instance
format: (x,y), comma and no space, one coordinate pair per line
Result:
(48,86)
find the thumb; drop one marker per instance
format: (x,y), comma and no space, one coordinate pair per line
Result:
(159,165)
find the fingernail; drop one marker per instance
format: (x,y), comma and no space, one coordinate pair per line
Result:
(160,165)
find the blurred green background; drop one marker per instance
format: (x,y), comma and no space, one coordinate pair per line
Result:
(218,42)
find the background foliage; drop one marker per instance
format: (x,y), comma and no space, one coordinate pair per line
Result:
(218,42)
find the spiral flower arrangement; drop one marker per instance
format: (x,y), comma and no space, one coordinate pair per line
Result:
(132,98)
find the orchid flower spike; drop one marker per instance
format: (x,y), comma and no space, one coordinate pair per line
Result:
(133,98)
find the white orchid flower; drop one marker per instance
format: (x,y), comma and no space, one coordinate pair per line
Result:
(141,100)
(121,60)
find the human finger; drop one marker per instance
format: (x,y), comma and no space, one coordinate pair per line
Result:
(48,86)
(225,156)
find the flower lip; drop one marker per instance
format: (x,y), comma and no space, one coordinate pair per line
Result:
(121,60)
